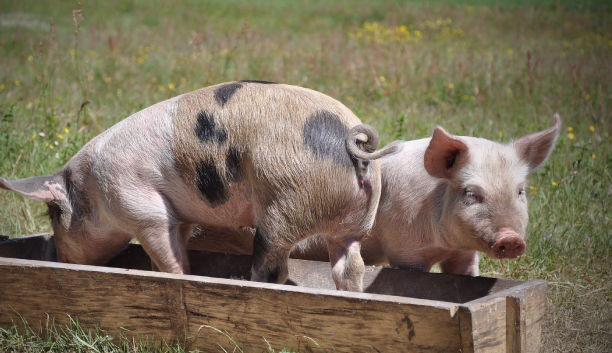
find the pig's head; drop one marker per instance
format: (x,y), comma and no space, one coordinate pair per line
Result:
(64,209)
(485,206)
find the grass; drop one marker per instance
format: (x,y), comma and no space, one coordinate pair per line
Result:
(478,68)
(73,337)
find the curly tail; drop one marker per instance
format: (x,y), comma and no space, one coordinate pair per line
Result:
(362,143)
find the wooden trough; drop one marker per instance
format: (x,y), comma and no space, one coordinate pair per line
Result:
(400,311)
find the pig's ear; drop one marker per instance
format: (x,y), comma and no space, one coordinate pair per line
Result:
(535,148)
(441,153)
(42,188)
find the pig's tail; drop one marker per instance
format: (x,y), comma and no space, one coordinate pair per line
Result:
(363,141)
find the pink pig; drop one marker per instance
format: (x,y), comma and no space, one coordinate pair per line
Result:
(446,198)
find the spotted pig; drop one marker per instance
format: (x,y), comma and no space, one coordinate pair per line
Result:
(287,161)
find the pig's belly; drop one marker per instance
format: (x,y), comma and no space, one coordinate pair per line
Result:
(238,211)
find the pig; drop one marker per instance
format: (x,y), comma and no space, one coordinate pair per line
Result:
(444,199)
(287,161)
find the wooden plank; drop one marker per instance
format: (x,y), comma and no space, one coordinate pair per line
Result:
(223,240)
(524,311)
(483,325)
(33,247)
(169,306)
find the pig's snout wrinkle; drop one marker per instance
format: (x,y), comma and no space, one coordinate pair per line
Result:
(509,245)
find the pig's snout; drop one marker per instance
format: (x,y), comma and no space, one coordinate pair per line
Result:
(509,245)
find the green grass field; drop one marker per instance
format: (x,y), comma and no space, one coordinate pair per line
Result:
(480,68)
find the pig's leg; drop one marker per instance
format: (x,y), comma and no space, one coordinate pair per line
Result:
(347,265)
(185,231)
(462,263)
(164,246)
(157,228)
(270,260)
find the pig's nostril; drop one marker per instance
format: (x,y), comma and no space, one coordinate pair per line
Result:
(510,247)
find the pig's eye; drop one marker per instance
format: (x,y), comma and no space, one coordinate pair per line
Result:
(470,196)
(521,192)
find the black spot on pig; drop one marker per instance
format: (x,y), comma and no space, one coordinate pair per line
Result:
(232,163)
(325,135)
(78,200)
(273,276)
(67,176)
(207,131)
(257,81)
(211,184)
(263,259)
(54,211)
(225,92)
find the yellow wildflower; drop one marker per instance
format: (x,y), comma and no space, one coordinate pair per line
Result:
(17,82)
(107,80)
(171,86)
(30,104)
(592,128)
(32,138)
(65,130)
(183,80)
(466,97)
(587,97)
(570,129)
(89,78)
(554,183)
(382,78)
(594,155)
(2,87)
(60,136)
(72,52)
(451,86)
(570,135)
(30,58)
